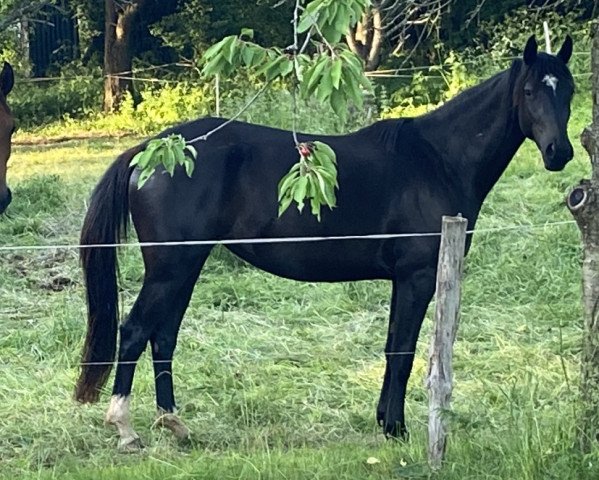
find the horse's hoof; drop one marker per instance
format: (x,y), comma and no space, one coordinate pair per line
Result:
(173,423)
(130,444)
(397,432)
(380,418)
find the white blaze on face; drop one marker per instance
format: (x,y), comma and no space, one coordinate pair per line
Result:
(550,81)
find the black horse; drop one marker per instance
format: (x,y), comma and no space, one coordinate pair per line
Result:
(395,176)
(7,127)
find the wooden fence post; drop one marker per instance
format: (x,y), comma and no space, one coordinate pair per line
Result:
(447,312)
(547,33)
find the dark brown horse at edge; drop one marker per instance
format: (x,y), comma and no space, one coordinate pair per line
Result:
(395,176)
(7,127)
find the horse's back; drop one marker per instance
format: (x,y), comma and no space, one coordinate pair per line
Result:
(386,185)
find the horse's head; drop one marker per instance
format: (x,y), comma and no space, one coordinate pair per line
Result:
(542,95)
(7,126)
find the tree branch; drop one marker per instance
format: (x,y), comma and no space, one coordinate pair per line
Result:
(24,9)
(205,136)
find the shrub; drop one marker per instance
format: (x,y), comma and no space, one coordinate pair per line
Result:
(76,94)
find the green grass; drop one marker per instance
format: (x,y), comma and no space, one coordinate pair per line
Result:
(279,379)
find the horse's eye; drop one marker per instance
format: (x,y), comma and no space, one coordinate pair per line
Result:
(528,92)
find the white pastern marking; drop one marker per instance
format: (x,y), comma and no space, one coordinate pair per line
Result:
(550,81)
(118,415)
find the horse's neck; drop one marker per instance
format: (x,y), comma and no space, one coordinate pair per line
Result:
(476,135)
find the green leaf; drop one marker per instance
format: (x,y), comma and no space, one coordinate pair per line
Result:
(248,55)
(299,192)
(336,72)
(286,182)
(310,16)
(324,189)
(351,58)
(166,152)
(192,151)
(284,204)
(189,167)
(342,19)
(144,176)
(286,68)
(141,159)
(169,161)
(325,87)
(272,69)
(229,48)
(313,75)
(329,176)
(315,205)
(247,32)
(322,147)
(212,51)
(259,55)
(214,66)
(352,90)
(339,104)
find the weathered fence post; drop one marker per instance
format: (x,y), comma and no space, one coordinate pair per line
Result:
(447,312)
(547,33)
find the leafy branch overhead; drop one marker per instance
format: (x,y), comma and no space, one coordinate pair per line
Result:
(333,75)
(169,152)
(314,178)
(332,18)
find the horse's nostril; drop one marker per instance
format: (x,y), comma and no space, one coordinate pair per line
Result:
(550,150)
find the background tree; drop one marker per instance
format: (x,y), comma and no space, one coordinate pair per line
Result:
(118,60)
(583,202)
(196,24)
(396,25)
(13,11)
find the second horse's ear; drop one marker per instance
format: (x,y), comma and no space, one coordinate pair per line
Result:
(566,51)
(530,50)
(7,79)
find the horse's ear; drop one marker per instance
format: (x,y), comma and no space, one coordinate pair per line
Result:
(7,79)
(566,51)
(530,50)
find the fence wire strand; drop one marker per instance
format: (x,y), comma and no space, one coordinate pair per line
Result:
(271,240)
(11,248)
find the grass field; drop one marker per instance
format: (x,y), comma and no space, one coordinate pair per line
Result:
(279,379)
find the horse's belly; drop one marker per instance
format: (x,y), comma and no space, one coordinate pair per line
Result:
(331,261)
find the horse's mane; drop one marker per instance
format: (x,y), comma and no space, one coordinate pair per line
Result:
(385,132)
(388,132)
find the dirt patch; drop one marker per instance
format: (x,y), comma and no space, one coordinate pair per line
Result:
(53,271)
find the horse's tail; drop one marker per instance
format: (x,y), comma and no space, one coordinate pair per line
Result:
(105,223)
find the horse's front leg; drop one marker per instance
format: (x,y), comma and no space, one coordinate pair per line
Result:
(409,302)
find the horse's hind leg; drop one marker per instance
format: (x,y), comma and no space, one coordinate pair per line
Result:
(163,342)
(171,273)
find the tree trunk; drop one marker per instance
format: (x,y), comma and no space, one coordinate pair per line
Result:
(119,18)
(583,202)
(366,38)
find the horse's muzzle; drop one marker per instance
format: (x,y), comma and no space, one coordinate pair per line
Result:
(5,201)
(556,157)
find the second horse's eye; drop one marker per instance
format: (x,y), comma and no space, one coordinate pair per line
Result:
(528,92)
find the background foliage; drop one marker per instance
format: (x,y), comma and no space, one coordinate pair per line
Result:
(472,40)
